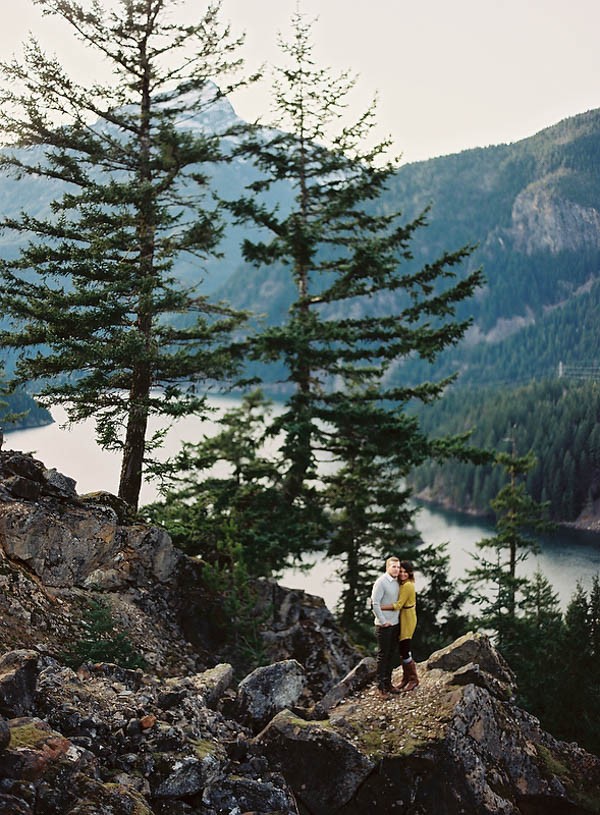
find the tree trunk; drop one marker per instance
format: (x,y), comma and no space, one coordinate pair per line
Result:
(130,482)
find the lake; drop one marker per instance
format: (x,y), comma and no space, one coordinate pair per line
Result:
(567,556)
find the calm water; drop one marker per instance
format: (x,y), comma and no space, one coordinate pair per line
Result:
(566,557)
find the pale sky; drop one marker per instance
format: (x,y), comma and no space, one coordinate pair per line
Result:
(449,74)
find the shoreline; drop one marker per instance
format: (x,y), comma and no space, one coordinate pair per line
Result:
(585,523)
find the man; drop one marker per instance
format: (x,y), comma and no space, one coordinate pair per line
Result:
(387,625)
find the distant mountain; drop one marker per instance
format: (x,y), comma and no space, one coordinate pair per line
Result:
(533,209)
(210,114)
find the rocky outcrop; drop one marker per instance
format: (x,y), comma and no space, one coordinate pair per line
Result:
(455,745)
(83,544)
(545,221)
(186,735)
(109,740)
(299,626)
(114,741)
(60,550)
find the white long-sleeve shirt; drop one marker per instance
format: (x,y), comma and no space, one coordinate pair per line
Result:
(385,590)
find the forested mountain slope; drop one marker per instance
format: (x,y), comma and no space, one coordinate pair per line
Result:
(556,420)
(533,210)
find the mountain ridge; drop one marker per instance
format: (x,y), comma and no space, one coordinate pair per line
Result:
(531,208)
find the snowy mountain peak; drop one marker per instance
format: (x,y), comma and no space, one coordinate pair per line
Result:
(206,110)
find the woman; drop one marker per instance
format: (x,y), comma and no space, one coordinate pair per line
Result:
(407,606)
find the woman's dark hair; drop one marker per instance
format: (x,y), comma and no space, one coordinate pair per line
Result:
(408,567)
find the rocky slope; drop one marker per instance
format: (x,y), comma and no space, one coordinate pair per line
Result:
(184,735)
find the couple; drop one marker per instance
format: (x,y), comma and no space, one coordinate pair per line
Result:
(395,608)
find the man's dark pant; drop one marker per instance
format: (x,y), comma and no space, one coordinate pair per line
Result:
(387,648)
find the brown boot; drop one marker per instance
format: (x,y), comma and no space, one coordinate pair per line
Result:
(413,680)
(405,676)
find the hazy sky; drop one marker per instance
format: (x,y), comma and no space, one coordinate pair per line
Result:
(450,74)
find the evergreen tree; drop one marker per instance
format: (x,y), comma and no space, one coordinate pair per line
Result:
(518,518)
(576,717)
(234,604)
(595,625)
(99,320)
(369,510)
(230,481)
(342,423)
(371,517)
(102,641)
(535,653)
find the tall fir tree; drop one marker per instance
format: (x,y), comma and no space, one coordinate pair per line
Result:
(100,322)
(535,653)
(576,717)
(359,307)
(519,519)
(371,516)
(229,484)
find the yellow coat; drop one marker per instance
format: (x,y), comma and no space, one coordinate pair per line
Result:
(407,605)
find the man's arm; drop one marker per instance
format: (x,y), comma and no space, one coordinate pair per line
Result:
(376,598)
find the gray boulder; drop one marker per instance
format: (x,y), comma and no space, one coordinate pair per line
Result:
(269,689)
(181,775)
(247,795)
(358,677)
(18,674)
(472,648)
(324,769)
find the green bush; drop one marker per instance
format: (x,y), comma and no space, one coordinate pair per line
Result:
(102,642)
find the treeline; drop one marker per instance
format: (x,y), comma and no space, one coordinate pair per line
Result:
(19,410)
(558,421)
(556,659)
(567,333)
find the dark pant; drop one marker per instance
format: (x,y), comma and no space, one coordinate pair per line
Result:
(387,648)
